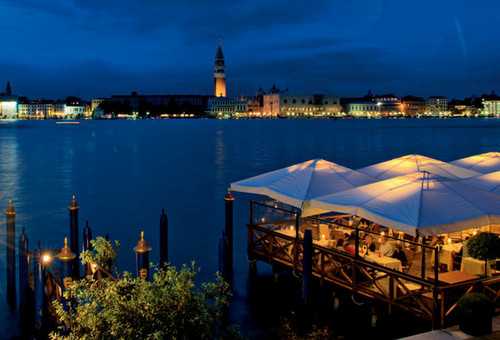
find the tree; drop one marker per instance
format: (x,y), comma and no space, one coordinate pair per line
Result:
(484,246)
(170,306)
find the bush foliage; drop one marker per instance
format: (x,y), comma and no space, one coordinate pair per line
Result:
(170,306)
(484,246)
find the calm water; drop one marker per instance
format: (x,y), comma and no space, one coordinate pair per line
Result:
(124,172)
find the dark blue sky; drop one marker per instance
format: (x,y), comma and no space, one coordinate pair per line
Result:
(91,48)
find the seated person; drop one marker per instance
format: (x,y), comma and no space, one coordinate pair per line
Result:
(349,243)
(370,244)
(400,255)
(350,247)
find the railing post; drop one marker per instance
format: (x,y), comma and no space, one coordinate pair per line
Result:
(73,233)
(228,230)
(251,213)
(296,242)
(422,268)
(356,241)
(307,267)
(436,318)
(10,214)
(163,238)
(24,288)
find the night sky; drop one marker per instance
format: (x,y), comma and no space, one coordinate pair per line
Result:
(56,48)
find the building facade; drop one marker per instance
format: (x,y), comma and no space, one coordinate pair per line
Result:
(35,109)
(309,106)
(158,105)
(224,107)
(436,106)
(412,106)
(363,109)
(219,74)
(491,108)
(8,107)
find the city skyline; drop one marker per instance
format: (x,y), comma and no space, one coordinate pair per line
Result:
(98,49)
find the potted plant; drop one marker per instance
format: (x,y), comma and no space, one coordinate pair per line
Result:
(484,246)
(475,313)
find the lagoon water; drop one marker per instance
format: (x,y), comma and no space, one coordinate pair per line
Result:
(125,172)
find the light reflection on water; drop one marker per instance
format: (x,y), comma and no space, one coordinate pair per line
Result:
(125,172)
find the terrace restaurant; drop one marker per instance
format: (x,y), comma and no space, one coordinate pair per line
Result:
(395,231)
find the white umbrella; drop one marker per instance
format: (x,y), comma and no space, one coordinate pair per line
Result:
(297,183)
(489,182)
(419,201)
(483,163)
(409,164)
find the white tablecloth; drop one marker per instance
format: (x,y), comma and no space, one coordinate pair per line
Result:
(385,261)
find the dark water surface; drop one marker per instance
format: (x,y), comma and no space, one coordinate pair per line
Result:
(124,172)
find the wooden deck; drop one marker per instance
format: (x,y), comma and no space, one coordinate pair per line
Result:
(424,294)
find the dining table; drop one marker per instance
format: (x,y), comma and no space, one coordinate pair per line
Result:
(385,261)
(455,277)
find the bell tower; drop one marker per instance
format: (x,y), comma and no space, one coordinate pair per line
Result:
(219,75)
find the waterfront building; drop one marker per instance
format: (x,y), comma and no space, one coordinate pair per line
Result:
(436,106)
(35,109)
(490,105)
(156,105)
(74,111)
(8,107)
(363,109)
(412,106)
(255,106)
(59,110)
(219,74)
(318,105)
(491,108)
(8,103)
(271,105)
(225,107)
(388,105)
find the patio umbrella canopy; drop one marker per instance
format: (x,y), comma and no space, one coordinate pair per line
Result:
(483,163)
(489,182)
(298,183)
(409,164)
(419,201)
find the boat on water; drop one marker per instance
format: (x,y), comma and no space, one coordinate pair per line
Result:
(67,122)
(8,120)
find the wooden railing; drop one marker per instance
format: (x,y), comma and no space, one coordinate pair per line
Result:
(423,297)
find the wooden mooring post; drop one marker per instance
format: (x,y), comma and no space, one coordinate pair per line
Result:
(10,214)
(73,232)
(87,237)
(163,238)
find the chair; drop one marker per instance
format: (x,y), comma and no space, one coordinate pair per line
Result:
(410,257)
(324,230)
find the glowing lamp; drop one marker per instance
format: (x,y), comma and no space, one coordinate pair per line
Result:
(46,259)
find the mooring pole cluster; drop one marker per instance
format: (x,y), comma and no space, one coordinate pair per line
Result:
(37,285)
